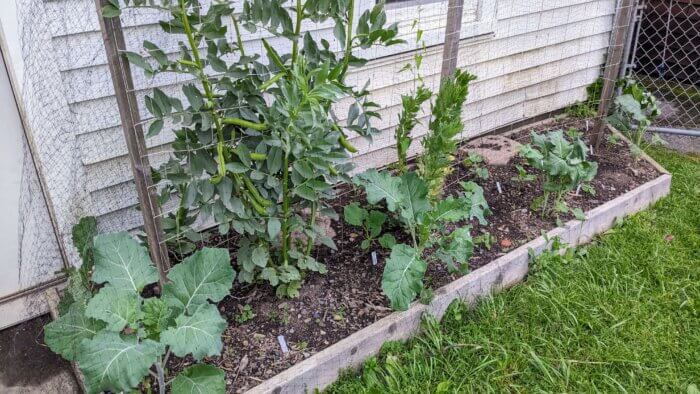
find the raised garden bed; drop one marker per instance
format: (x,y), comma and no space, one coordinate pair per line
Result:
(341,318)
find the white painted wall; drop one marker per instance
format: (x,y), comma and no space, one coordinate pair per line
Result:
(11,170)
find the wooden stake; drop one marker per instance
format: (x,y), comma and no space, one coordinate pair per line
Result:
(453,30)
(113,38)
(614,59)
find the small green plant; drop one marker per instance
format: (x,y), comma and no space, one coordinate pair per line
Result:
(439,145)
(523,175)
(474,163)
(246,314)
(371,222)
(563,166)
(588,108)
(411,104)
(407,197)
(80,288)
(119,336)
(633,113)
(485,239)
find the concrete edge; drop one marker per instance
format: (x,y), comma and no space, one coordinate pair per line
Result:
(324,367)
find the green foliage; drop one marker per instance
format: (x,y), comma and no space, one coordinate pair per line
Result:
(589,108)
(474,163)
(407,197)
(633,113)
(622,318)
(199,378)
(371,222)
(563,166)
(439,145)
(403,275)
(79,288)
(245,315)
(255,132)
(411,104)
(119,336)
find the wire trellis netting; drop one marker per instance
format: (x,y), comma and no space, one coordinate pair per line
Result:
(665,58)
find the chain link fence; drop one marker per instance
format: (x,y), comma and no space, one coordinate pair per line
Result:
(665,58)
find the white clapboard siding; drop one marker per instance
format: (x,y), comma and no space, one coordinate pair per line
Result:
(531,56)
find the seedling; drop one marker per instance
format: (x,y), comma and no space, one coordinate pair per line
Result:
(523,175)
(245,315)
(371,222)
(474,163)
(485,239)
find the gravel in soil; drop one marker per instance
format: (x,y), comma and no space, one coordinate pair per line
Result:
(348,298)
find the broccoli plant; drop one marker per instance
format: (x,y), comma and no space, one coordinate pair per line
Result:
(119,336)
(439,145)
(407,197)
(633,113)
(258,143)
(563,166)
(371,222)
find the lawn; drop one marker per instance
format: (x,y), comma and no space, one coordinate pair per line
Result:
(621,315)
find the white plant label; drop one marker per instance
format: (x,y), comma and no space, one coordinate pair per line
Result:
(283,344)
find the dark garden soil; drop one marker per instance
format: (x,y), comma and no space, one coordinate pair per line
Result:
(348,298)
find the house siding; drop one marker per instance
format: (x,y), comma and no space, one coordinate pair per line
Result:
(535,57)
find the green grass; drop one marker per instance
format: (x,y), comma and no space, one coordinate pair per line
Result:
(622,315)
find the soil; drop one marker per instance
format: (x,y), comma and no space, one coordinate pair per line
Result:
(25,361)
(348,298)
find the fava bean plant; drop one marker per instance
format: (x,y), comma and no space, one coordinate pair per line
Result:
(257,145)
(120,336)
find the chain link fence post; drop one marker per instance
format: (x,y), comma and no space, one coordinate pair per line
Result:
(113,38)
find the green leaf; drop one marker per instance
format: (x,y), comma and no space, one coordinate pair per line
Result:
(273,227)
(200,378)
(138,61)
(122,262)
(199,334)
(415,200)
(206,275)
(381,186)
(64,335)
(83,235)
(403,275)
(375,221)
(117,307)
(387,241)
(111,362)
(111,10)
(459,250)
(156,317)
(260,256)
(354,214)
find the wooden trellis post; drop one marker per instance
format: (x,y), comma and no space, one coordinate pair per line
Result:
(453,30)
(612,67)
(113,38)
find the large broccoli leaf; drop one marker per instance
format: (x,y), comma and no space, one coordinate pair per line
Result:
(403,276)
(199,334)
(122,262)
(205,276)
(64,335)
(200,378)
